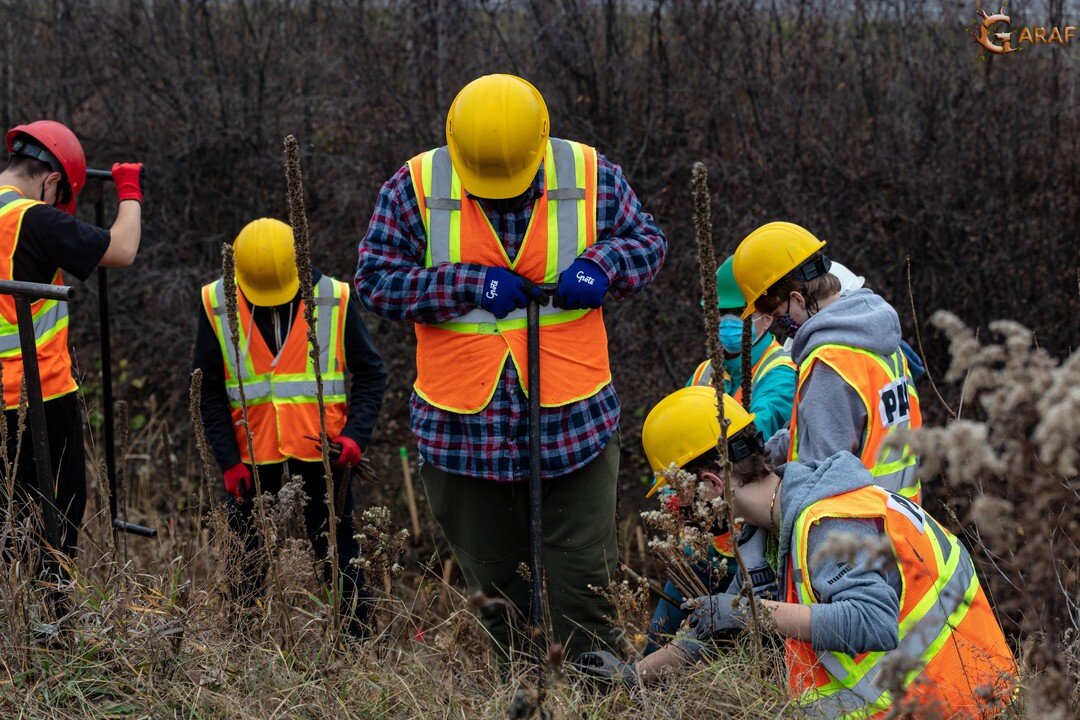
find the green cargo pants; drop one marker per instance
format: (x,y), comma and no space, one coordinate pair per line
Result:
(487,526)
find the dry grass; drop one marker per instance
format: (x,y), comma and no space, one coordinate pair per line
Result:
(152,632)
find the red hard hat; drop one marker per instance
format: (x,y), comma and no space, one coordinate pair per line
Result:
(65,153)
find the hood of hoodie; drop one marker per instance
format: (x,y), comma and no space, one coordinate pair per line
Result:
(806,483)
(858,317)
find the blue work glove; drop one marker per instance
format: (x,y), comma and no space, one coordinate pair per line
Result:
(582,285)
(605,667)
(504,291)
(711,615)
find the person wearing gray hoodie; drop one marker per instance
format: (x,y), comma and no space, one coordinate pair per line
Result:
(879,585)
(868,574)
(854,386)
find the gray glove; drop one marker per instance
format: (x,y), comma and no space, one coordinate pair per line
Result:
(711,615)
(604,666)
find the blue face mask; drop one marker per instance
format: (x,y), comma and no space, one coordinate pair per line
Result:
(731,334)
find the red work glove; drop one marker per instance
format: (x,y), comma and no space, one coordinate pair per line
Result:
(238,481)
(128,179)
(350,452)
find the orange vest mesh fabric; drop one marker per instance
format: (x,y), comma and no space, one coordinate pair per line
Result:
(867,378)
(973,674)
(458,371)
(54,357)
(278,427)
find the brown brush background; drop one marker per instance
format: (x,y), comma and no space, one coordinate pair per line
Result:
(874,124)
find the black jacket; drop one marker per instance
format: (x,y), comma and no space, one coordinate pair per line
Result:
(362,362)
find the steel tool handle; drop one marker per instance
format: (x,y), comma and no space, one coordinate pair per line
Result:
(38,291)
(134,529)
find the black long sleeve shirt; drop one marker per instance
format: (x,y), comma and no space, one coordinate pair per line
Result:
(362,362)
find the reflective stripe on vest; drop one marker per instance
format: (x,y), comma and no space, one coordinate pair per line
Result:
(280,390)
(301,390)
(50,317)
(894,469)
(459,363)
(854,689)
(774,356)
(564,171)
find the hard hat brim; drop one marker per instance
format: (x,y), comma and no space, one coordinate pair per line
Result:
(495,188)
(271,298)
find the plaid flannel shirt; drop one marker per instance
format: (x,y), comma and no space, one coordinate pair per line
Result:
(393,283)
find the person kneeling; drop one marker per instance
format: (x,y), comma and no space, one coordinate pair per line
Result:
(878,595)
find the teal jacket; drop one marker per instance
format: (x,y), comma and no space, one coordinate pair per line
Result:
(773,394)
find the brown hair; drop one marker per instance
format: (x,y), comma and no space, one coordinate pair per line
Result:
(752,469)
(25,167)
(813,290)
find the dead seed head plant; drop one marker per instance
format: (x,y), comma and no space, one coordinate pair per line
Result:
(1011,465)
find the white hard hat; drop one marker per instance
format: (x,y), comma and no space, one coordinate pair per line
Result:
(848,280)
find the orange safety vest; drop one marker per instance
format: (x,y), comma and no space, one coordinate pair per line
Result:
(885,386)
(774,356)
(50,316)
(280,392)
(964,667)
(459,363)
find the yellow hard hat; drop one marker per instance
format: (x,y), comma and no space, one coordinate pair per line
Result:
(767,255)
(497,131)
(684,426)
(266,262)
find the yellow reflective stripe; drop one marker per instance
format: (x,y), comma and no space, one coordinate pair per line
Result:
(579,175)
(551,267)
(517,323)
(221,329)
(911,492)
(51,318)
(425,174)
(455,219)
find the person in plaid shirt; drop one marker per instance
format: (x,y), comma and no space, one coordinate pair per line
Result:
(430,258)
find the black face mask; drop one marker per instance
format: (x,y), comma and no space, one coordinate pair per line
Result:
(63,193)
(787,324)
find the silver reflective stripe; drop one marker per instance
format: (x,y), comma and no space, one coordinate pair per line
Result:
(239,368)
(566,211)
(943,542)
(43,323)
(324,298)
(9,197)
(566,193)
(307,388)
(252,391)
(480,316)
(836,705)
(917,640)
(706,375)
(442,183)
(896,481)
(797,576)
(443,203)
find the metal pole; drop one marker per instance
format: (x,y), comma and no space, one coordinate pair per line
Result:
(106,374)
(536,502)
(36,408)
(536,529)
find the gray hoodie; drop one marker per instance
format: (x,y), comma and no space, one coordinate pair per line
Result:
(858,606)
(831,415)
